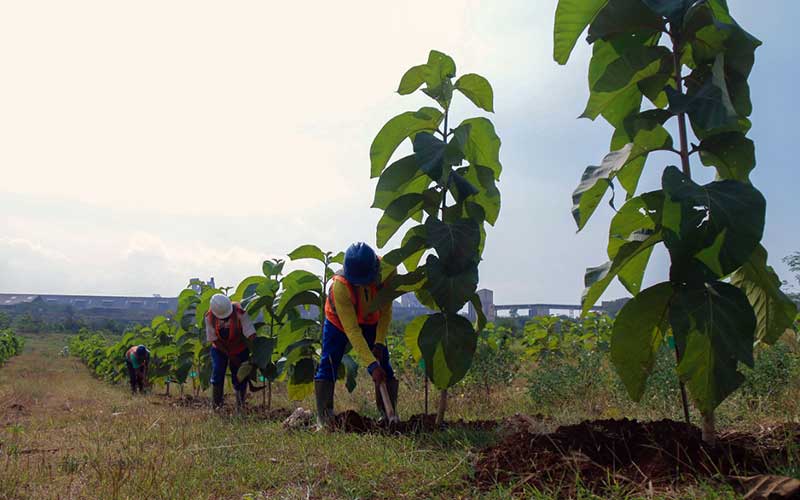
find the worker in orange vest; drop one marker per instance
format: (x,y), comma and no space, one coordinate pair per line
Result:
(227,328)
(347,320)
(137,360)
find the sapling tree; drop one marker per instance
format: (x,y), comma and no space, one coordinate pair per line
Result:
(307,290)
(447,185)
(259,296)
(687,63)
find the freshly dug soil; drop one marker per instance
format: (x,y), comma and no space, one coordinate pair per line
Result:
(352,421)
(626,452)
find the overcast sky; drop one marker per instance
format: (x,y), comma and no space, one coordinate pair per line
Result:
(144,143)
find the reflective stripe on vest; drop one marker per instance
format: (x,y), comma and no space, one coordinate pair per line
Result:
(234,344)
(360,303)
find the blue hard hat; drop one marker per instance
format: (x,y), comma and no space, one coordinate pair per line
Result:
(361,264)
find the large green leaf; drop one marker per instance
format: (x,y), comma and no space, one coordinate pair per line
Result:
(247,288)
(480,320)
(295,283)
(307,252)
(714,328)
(411,336)
(639,331)
(301,379)
(398,212)
(647,134)
(482,145)
(733,155)
(396,286)
(488,196)
(432,154)
(477,89)
(595,181)
(293,331)
(261,355)
(775,312)
(413,79)
(414,243)
(671,9)
(451,289)
(623,16)
(399,178)
(638,216)
(301,298)
(707,101)
(631,258)
(456,243)
(447,343)
(436,74)
(396,131)
(614,76)
(572,18)
(441,68)
(720,224)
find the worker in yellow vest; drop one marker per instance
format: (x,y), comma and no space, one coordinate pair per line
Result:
(347,320)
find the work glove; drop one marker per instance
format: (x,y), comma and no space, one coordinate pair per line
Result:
(378,375)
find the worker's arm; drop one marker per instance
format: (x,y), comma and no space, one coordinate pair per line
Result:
(211,333)
(248,330)
(347,315)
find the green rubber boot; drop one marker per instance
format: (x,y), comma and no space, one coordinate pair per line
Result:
(323,391)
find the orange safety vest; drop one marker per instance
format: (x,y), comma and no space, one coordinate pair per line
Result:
(234,344)
(359,303)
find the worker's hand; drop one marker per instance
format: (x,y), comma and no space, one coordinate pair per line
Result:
(378,375)
(377,351)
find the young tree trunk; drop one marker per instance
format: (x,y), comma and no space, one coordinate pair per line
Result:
(264,395)
(442,407)
(709,429)
(167,393)
(426,394)
(269,395)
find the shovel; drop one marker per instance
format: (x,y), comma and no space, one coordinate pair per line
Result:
(387,405)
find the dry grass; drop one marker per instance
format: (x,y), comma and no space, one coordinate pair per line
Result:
(64,434)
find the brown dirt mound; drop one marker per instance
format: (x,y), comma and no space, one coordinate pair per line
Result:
(352,421)
(623,452)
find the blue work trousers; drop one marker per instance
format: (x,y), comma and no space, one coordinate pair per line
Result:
(335,342)
(220,362)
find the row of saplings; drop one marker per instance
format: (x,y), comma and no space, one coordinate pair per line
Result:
(11,344)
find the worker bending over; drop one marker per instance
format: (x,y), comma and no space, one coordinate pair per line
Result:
(137,359)
(347,320)
(227,328)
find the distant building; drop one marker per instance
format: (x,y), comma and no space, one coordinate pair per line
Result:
(487,306)
(90,306)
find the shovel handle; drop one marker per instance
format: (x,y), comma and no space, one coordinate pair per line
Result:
(387,403)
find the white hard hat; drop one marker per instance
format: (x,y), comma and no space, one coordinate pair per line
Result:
(221,306)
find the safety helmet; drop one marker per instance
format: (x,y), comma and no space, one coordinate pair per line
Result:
(361,265)
(221,306)
(141,351)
